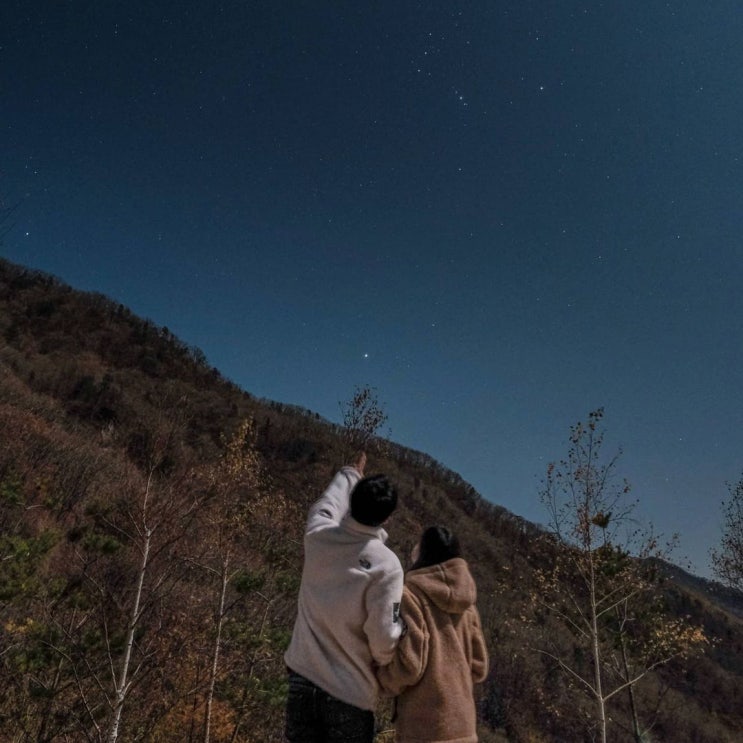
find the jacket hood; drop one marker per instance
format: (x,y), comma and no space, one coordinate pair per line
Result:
(449,585)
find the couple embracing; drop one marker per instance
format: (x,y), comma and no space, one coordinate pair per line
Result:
(365,628)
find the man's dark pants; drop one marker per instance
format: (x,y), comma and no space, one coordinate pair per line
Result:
(314,716)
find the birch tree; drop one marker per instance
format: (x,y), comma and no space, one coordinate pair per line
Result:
(128,558)
(226,526)
(603,584)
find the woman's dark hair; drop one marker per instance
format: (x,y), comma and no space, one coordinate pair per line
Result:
(373,500)
(437,545)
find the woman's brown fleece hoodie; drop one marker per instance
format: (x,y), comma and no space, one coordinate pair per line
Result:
(439,658)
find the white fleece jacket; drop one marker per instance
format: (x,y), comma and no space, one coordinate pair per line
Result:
(349,600)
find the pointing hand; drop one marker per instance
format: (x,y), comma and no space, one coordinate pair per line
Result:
(360,463)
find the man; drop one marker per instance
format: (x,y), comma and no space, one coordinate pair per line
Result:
(348,611)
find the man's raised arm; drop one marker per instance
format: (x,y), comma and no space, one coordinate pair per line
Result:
(334,503)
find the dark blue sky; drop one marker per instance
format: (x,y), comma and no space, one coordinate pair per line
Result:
(502,215)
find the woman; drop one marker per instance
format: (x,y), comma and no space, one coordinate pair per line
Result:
(442,652)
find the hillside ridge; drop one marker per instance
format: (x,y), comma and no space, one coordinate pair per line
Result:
(99,407)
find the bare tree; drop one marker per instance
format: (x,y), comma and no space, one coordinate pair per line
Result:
(602,584)
(226,523)
(363,417)
(727,561)
(154,525)
(130,564)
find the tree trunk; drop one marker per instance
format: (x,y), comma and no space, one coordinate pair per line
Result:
(215,654)
(636,732)
(598,686)
(122,686)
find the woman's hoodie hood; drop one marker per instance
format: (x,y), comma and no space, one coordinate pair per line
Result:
(449,585)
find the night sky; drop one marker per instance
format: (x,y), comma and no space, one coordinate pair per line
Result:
(501,215)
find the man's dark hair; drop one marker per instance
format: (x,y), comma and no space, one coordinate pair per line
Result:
(437,545)
(373,500)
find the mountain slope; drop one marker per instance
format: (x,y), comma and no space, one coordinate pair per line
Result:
(152,513)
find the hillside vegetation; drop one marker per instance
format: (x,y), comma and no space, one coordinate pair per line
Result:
(151,520)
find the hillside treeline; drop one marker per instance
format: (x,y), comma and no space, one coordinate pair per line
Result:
(151,520)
